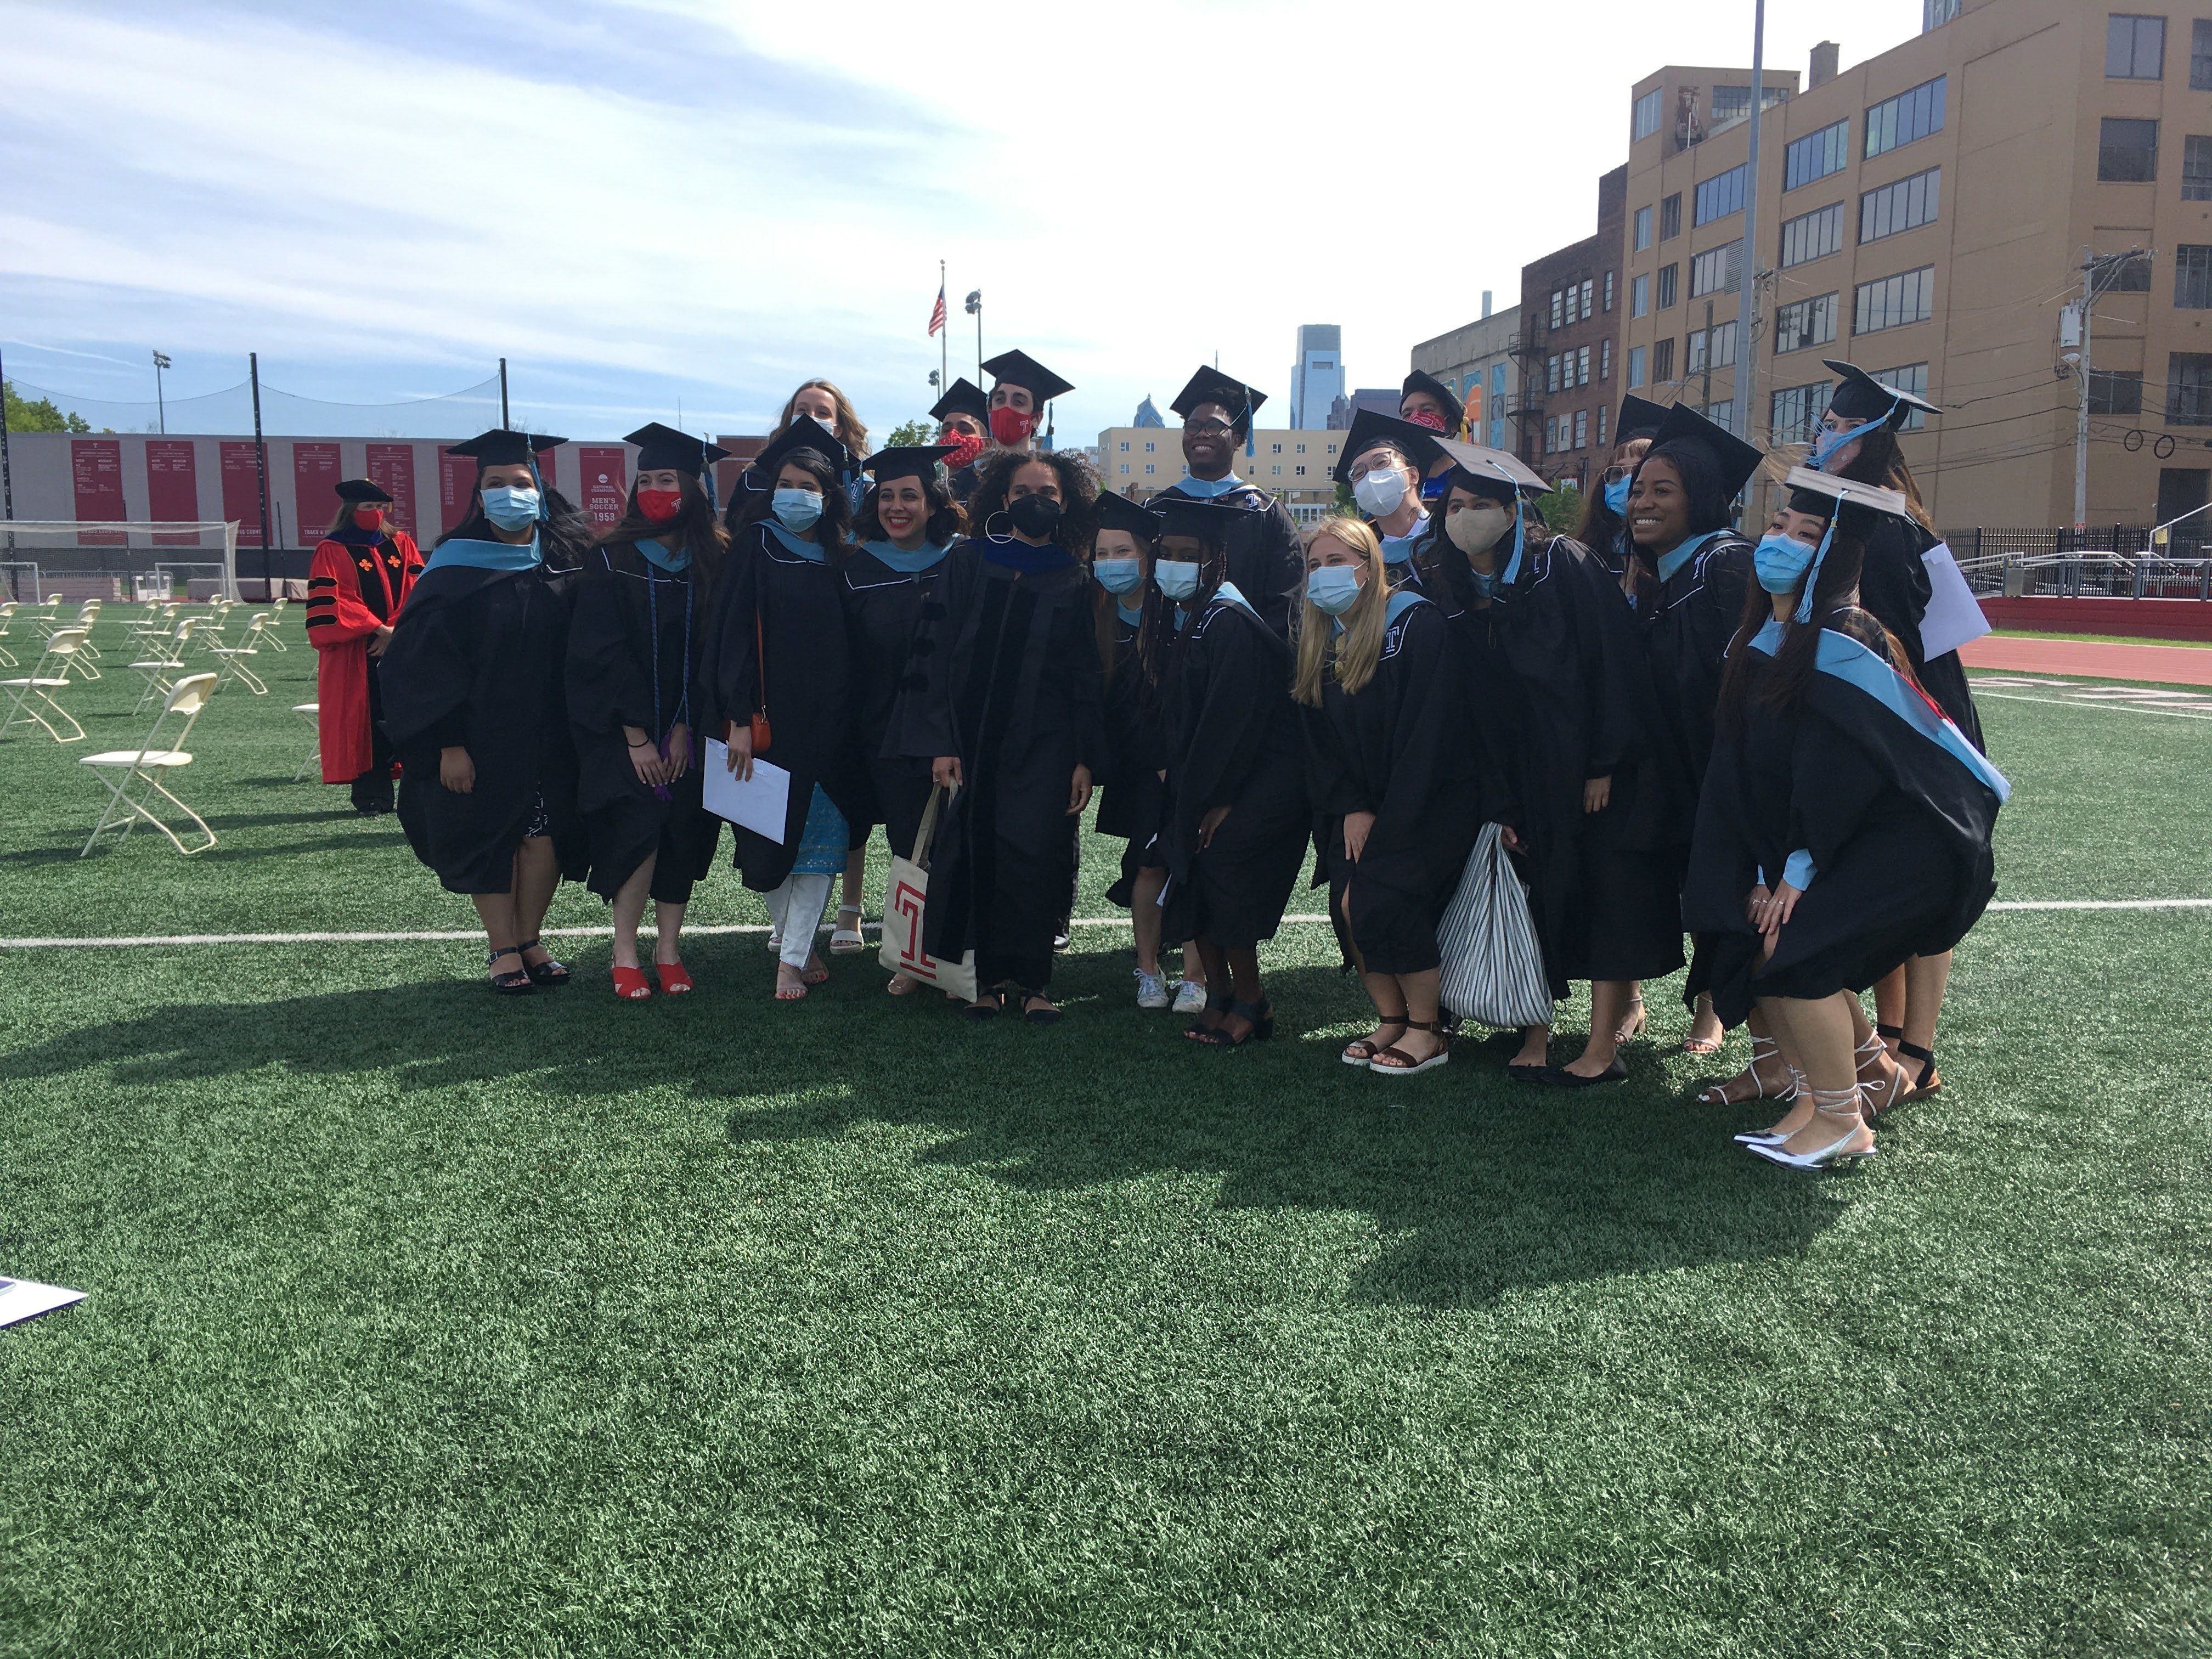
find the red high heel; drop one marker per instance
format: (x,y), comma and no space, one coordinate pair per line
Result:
(630,984)
(674,981)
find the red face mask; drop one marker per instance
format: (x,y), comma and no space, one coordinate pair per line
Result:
(966,447)
(660,506)
(368,518)
(1429,418)
(1010,426)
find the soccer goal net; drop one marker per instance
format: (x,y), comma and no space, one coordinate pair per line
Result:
(42,559)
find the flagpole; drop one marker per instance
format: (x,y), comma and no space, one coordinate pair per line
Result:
(944,336)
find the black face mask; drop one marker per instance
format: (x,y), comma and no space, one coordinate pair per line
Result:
(1035,516)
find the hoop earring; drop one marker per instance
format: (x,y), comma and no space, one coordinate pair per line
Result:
(987,532)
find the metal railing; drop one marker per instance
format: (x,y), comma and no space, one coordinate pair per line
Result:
(2095,573)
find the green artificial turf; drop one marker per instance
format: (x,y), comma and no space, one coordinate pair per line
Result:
(2098,639)
(425,1323)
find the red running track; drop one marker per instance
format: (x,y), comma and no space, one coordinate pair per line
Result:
(2166,665)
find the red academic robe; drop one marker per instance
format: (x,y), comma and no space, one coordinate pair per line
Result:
(352,592)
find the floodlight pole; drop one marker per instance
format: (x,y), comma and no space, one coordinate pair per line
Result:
(160,407)
(505,425)
(6,477)
(975,310)
(261,470)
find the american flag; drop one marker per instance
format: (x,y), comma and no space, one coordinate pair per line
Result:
(937,312)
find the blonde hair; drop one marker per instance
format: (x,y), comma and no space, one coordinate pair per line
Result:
(1359,647)
(850,430)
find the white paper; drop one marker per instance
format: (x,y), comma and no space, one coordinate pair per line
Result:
(761,803)
(1953,615)
(23,1298)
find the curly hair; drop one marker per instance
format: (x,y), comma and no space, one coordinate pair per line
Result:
(1078,490)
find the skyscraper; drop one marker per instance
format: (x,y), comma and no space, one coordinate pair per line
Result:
(1317,379)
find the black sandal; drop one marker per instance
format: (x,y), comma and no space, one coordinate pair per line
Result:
(517,984)
(1260,1015)
(548,972)
(1214,1004)
(1928,1083)
(1047,1015)
(988,1000)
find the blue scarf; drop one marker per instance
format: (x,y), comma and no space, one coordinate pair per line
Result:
(928,557)
(1670,563)
(484,556)
(1205,489)
(810,552)
(1131,617)
(674,564)
(1397,550)
(352,535)
(1020,555)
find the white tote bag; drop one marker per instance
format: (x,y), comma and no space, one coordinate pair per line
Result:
(1493,969)
(905,895)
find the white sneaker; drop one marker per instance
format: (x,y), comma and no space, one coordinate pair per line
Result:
(1190,997)
(775,941)
(1152,990)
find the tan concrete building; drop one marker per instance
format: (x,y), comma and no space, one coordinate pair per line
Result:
(1141,461)
(1475,360)
(1926,215)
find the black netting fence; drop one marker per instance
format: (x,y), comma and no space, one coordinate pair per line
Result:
(284,414)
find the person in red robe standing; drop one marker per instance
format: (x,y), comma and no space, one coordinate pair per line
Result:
(361,574)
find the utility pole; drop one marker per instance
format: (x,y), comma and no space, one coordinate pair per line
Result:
(505,425)
(6,481)
(1747,359)
(1705,396)
(944,338)
(2094,270)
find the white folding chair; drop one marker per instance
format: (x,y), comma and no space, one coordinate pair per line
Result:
(232,659)
(274,639)
(133,777)
(84,663)
(313,714)
(8,609)
(159,618)
(165,655)
(38,686)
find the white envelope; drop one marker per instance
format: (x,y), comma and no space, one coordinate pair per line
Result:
(1953,615)
(761,803)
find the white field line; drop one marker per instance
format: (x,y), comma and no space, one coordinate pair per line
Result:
(430,936)
(2122,708)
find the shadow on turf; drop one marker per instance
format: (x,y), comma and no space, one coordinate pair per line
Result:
(1478,1186)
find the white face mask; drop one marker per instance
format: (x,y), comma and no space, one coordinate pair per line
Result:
(1478,529)
(1381,492)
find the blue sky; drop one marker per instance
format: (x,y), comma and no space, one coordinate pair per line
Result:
(655,200)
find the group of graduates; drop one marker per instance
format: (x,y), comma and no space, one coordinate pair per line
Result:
(1678,730)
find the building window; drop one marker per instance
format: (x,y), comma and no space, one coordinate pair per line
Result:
(1723,413)
(1589,298)
(1670,216)
(1894,301)
(1643,120)
(1558,319)
(2127,151)
(1797,412)
(1662,359)
(1913,377)
(1805,323)
(2135,48)
(1149,448)
(2200,56)
(1716,270)
(1666,286)
(1605,360)
(1635,367)
(2112,392)
(1813,236)
(1642,228)
(1717,343)
(1581,428)
(2189,389)
(1640,295)
(1302,449)
(1600,426)
(1816,155)
(2130,274)
(1582,365)
(1608,290)
(1934,14)
(2192,277)
(1125,446)
(2196,169)
(1125,466)
(1148,466)
(1720,195)
(1551,434)
(1298,471)
(1905,205)
(1552,372)
(1899,121)
(1731,105)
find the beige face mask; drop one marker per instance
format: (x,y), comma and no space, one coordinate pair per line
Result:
(1478,529)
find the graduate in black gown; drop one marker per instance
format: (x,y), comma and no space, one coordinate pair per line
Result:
(1428,402)
(1385,460)
(1846,824)
(1604,527)
(962,416)
(635,652)
(473,700)
(1007,706)
(1266,555)
(1395,786)
(894,582)
(1237,822)
(779,648)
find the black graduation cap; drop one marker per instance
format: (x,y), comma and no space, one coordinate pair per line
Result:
(1019,368)
(1738,459)
(1639,419)
(1492,471)
(664,448)
(361,489)
(906,461)
(1855,506)
(1210,385)
(804,432)
(1209,521)
(1118,512)
(500,447)
(965,398)
(1417,444)
(1454,410)
(1859,396)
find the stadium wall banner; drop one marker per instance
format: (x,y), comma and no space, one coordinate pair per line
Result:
(96,480)
(606,487)
(314,492)
(390,467)
(172,486)
(241,490)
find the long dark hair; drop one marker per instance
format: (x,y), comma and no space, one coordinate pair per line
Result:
(1835,605)
(1161,645)
(1437,557)
(1078,490)
(1881,462)
(1603,531)
(946,520)
(694,529)
(833,529)
(564,535)
(1711,503)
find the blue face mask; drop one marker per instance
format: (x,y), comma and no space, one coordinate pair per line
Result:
(1333,588)
(1177,577)
(797,509)
(1616,497)
(1117,576)
(511,508)
(1829,443)
(1780,563)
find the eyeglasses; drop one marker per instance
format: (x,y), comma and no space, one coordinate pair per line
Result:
(1209,429)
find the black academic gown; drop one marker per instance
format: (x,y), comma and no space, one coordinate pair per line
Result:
(1235,740)
(1267,556)
(478,660)
(1396,747)
(636,649)
(1893,585)
(792,607)
(1859,777)
(1406,574)
(1007,680)
(885,611)
(1133,794)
